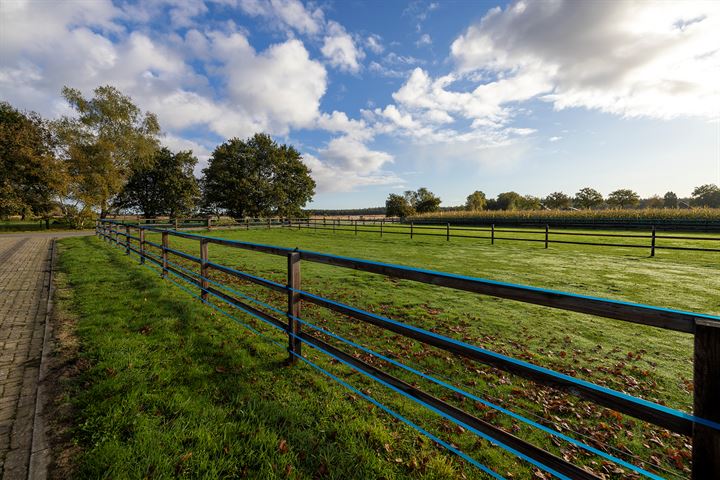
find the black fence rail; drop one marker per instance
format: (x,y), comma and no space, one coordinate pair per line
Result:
(703,426)
(652,240)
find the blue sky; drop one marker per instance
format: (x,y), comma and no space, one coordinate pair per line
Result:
(381,97)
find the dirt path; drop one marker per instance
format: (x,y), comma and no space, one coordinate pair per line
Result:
(25,274)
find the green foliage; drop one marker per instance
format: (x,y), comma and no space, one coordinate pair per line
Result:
(166,186)
(588,198)
(398,206)
(108,140)
(256,177)
(509,201)
(529,202)
(706,196)
(663,214)
(670,200)
(423,200)
(558,201)
(476,201)
(31,177)
(623,197)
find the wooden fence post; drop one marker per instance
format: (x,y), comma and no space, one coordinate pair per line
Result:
(293,309)
(209,223)
(334,221)
(268,222)
(165,245)
(492,234)
(127,239)
(411,230)
(547,234)
(176,223)
(448,232)
(652,246)
(141,231)
(203,269)
(382,222)
(355,227)
(706,381)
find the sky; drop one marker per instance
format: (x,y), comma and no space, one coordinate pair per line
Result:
(386,96)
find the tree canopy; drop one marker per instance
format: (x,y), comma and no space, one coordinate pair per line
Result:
(706,196)
(476,201)
(31,177)
(558,200)
(256,177)
(588,198)
(623,197)
(108,140)
(166,186)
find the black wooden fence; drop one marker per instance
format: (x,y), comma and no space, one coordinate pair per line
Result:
(703,426)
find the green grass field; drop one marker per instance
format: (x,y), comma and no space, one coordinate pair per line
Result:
(183,391)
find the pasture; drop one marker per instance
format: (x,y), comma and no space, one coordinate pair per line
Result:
(177,379)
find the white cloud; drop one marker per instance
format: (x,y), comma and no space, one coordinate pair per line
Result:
(340,49)
(555,139)
(425,39)
(285,13)
(628,58)
(374,43)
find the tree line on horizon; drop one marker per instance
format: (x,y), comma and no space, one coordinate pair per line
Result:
(424,201)
(108,158)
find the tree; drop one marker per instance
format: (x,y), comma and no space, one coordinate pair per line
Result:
(108,140)
(165,187)
(654,202)
(588,198)
(558,201)
(509,201)
(424,201)
(476,201)
(31,177)
(257,177)
(670,200)
(529,202)
(623,197)
(706,196)
(398,206)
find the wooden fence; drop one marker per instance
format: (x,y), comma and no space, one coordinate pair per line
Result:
(546,235)
(703,426)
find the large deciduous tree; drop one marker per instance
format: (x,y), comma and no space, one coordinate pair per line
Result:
(508,201)
(623,197)
(31,177)
(256,177)
(588,198)
(706,196)
(557,201)
(423,200)
(166,186)
(398,206)
(476,201)
(670,200)
(104,144)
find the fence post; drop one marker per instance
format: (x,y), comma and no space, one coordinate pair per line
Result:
(165,245)
(448,232)
(268,222)
(203,269)
(176,224)
(127,239)
(652,247)
(293,309)
(382,222)
(547,233)
(706,381)
(492,234)
(141,231)
(355,227)
(411,230)
(209,223)
(334,221)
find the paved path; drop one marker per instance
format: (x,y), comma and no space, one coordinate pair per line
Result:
(24,286)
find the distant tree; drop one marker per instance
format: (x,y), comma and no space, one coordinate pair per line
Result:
(257,177)
(623,197)
(424,201)
(108,140)
(670,200)
(588,198)
(706,196)
(398,206)
(476,201)
(558,200)
(654,202)
(165,187)
(509,201)
(529,202)
(492,204)
(31,177)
